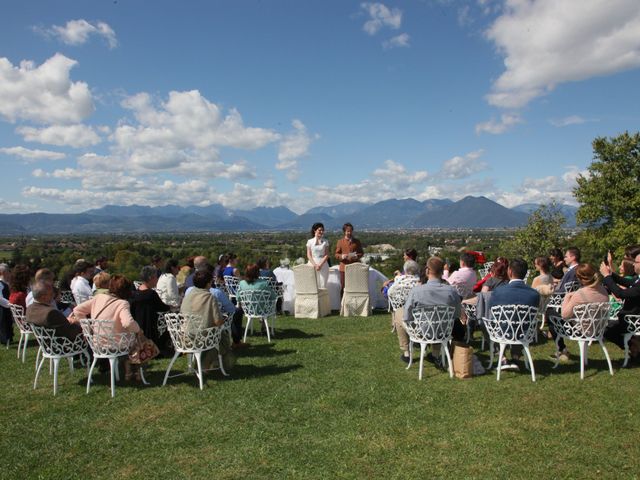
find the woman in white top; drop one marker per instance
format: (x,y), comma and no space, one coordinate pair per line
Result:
(167,286)
(318,254)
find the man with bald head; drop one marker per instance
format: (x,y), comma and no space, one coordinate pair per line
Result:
(40,312)
(199,264)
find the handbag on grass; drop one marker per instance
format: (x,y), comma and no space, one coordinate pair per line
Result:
(143,350)
(462,360)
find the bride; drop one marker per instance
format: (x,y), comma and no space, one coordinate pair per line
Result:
(318,254)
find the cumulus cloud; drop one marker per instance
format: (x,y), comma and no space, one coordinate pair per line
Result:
(546,43)
(76,136)
(43,94)
(463,166)
(294,146)
(397,177)
(32,155)
(496,127)
(570,120)
(541,190)
(401,40)
(380,16)
(77,32)
(15,207)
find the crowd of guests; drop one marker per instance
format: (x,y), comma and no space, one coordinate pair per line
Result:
(197,288)
(505,284)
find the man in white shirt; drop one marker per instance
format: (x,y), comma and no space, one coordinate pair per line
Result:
(465,277)
(80,286)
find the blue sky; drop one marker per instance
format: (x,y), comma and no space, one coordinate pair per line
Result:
(267,103)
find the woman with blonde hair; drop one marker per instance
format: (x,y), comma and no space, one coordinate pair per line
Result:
(592,290)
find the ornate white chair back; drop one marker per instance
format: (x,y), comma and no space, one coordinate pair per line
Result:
(104,341)
(257,303)
(512,324)
(430,323)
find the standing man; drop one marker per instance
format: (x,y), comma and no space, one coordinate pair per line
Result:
(348,250)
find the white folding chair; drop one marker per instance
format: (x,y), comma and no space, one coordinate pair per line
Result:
(191,337)
(55,348)
(106,343)
(25,328)
(430,325)
(260,304)
(512,325)
(587,325)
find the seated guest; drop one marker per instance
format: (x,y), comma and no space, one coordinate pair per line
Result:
(101,264)
(199,263)
(409,279)
(434,292)
(114,307)
(629,291)
(184,273)
(200,302)
(145,306)
(6,319)
(516,292)
(101,283)
(497,276)
(626,269)
(218,277)
(591,291)
(252,281)
(19,285)
(231,270)
(409,254)
(168,285)
(80,286)
(465,277)
(41,312)
(556,264)
(265,268)
(543,283)
(44,275)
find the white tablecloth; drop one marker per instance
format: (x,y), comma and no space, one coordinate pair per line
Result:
(285,277)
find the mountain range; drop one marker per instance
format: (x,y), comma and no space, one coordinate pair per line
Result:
(470,212)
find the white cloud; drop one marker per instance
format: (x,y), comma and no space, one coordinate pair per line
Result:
(15,207)
(294,146)
(76,136)
(496,127)
(548,42)
(43,94)
(77,32)
(401,40)
(463,166)
(32,155)
(570,120)
(542,190)
(381,16)
(66,173)
(244,196)
(397,177)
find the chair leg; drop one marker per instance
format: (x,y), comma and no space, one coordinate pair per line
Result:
(117,369)
(443,346)
(38,355)
(555,365)
(423,347)
(266,324)
(500,355)
(246,329)
(606,354)
(35,382)
(491,349)
(144,380)
(70,360)
(410,355)
(581,346)
(199,362)
(114,373)
(56,363)
(530,359)
(222,370)
(93,364)
(627,337)
(173,360)
(20,345)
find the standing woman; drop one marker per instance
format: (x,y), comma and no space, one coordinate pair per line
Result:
(318,254)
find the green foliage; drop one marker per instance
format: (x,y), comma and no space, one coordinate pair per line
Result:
(609,195)
(544,230)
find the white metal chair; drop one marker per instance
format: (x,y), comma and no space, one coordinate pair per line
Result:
(231,286)
(55,348)
(571,286)
(430,325)
(25,328)
(587,325)
(355,300)
(470,309)
(278,288)
(310,301)
(105,343)
(398,293)
(633,329)
(260,304)
(66,296)
(512,325)
(191,337)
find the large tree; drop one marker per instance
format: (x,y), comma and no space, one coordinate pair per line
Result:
(609,194)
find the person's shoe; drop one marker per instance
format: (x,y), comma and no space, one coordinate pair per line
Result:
(240,345)
(405,358)
(506,365)
(562,357)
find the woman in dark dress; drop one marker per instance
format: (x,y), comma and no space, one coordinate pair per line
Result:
(145,306)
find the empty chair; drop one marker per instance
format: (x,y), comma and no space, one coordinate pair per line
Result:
(430,325)
(512,325)
(25,329)
(355,300)
(258,304)
(189,336)
(55,348)
(587,325)
(633,329)
(109,344)
(310,301)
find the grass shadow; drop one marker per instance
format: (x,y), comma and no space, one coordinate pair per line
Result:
(263,350)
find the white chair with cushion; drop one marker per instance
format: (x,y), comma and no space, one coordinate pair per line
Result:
(311,301)
(258,304)
(633,329)
(587,325)
(430,325)
(25,328)
(55,348)
(105,343)
(191,337)
(512,325)
(355,300)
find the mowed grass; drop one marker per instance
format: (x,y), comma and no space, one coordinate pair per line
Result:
(328,398)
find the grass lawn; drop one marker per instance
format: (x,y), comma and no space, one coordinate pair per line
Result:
(328,398)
